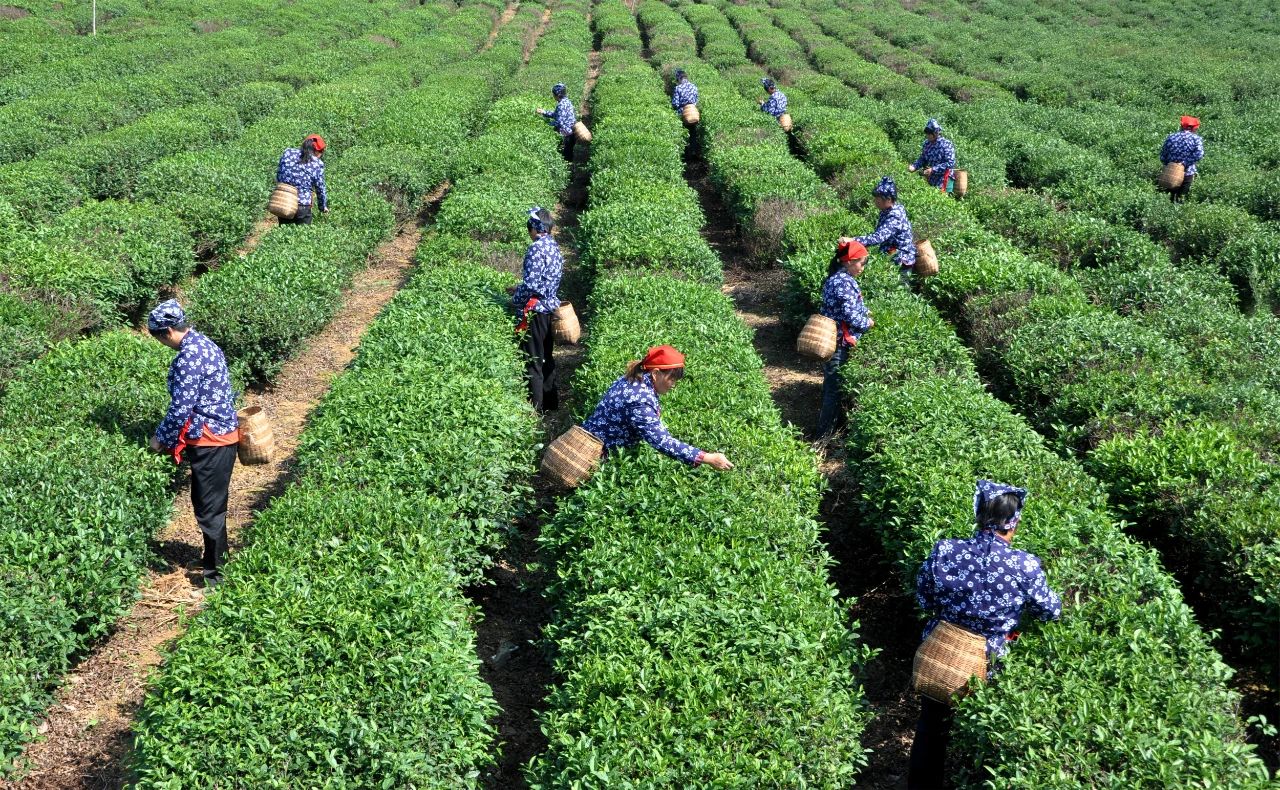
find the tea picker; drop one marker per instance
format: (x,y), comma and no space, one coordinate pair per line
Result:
(842,303)
(1180,153)
(684,97)
(974,590)
(302,172)
(535,301)
(562,118)
(776,104)
(201,421)
(893,232)
(937,161)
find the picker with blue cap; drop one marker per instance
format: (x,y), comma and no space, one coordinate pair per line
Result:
(684,97)
(893,234)
(776,104)
(937,161)
(536,301)
(565,120)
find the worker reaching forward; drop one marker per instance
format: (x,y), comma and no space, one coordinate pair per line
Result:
(937,158)
(628,413)
(685,92)
(842,303)
(201,417)
(893,230)
(776,104)
(562,118)
(1187,147)
(535,300)
(303,168)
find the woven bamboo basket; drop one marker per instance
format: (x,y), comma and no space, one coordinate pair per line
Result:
(690,114)
(945,661)
(818,338)
(962,183)
(784,121)
(572,457)
(581,132)
(1172,176)
(284,201)
(564,323)
(257,442)
(926,259)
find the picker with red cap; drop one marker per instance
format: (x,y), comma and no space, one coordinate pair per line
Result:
(299,173)
(848,318)
(1180,153)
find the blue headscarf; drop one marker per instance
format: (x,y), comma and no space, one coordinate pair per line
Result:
(559,90)
(536,223)
(886,188)
(167,315)
(933,126)
(767,83)
(986,490)
(678,74)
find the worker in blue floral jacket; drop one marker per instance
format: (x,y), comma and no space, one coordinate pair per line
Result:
(893,231)
(842,303)
(1187,147)
(201,421)
(982,584)
(562,118)
(303,168)
(776,104)
(628,413)
(684,93)
(937,158)
(535,299)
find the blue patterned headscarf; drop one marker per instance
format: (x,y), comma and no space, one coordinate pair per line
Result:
(986,490)
(536,223)
(886,188)
(933,126)
(559,90)
(678,74)
(767,83)
(167,315)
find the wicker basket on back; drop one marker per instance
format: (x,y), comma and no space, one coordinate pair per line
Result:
(572,457)
(581,132)
(690,114)
(962,183)
(1172,176)
(926,259)
(564,323)
(284,201)
(257,441)
(784,121)
(945,661)
(818,338)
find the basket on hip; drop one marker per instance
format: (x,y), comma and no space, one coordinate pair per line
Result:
(926,259)
(818,338)
(284,201)
(784,121)
(1172,176)
(581,132)
(572,457)
(961,183)
(945,662)
(257,442)
(690,114)
(564,324)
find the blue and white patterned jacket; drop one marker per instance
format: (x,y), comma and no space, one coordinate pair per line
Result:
(985,585)
(1185,147)
(842,303)
(893,231)
(939,154)
(776,104)
(685,93)
(305,177)
(562,117)
(540,276)
(628,413)
(199,391)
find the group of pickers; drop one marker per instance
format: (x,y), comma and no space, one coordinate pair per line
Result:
(980,584)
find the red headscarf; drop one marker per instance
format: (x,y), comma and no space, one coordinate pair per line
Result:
(851,250)
(318,140)
(662,358)
(1190,122)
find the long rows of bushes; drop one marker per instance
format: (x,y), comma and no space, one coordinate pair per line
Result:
(694,626)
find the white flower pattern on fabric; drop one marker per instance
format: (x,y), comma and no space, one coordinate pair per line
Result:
(563,117)
(842,303)
(1185,147)
(776,104)
(540,276)
(628,414)
(939,154)
(893,231)
(199,390)
(685,93)
(306,177)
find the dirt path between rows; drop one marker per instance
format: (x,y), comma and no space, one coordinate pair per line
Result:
(87,730)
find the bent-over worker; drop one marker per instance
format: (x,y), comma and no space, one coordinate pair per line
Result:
(1187,147)
(535,299)
(303,168)
(776,104)
(628,413)
(842,303)
(893,231)
(201,421)
(984,585)
(937,158)
(684,93)
(562,118)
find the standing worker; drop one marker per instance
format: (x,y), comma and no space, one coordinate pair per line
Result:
(984,585)
(535,299)
(776,104)
(1187,147)
(562,118)
(629,413)
(685,92)
(842,303)
(202,417)
(893,230)
(937,157)
(303,168)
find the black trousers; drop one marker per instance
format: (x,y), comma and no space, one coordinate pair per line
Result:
(210,482)
(540,367)
(567,147)
(929,749)
(1180,194)
(303,217)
